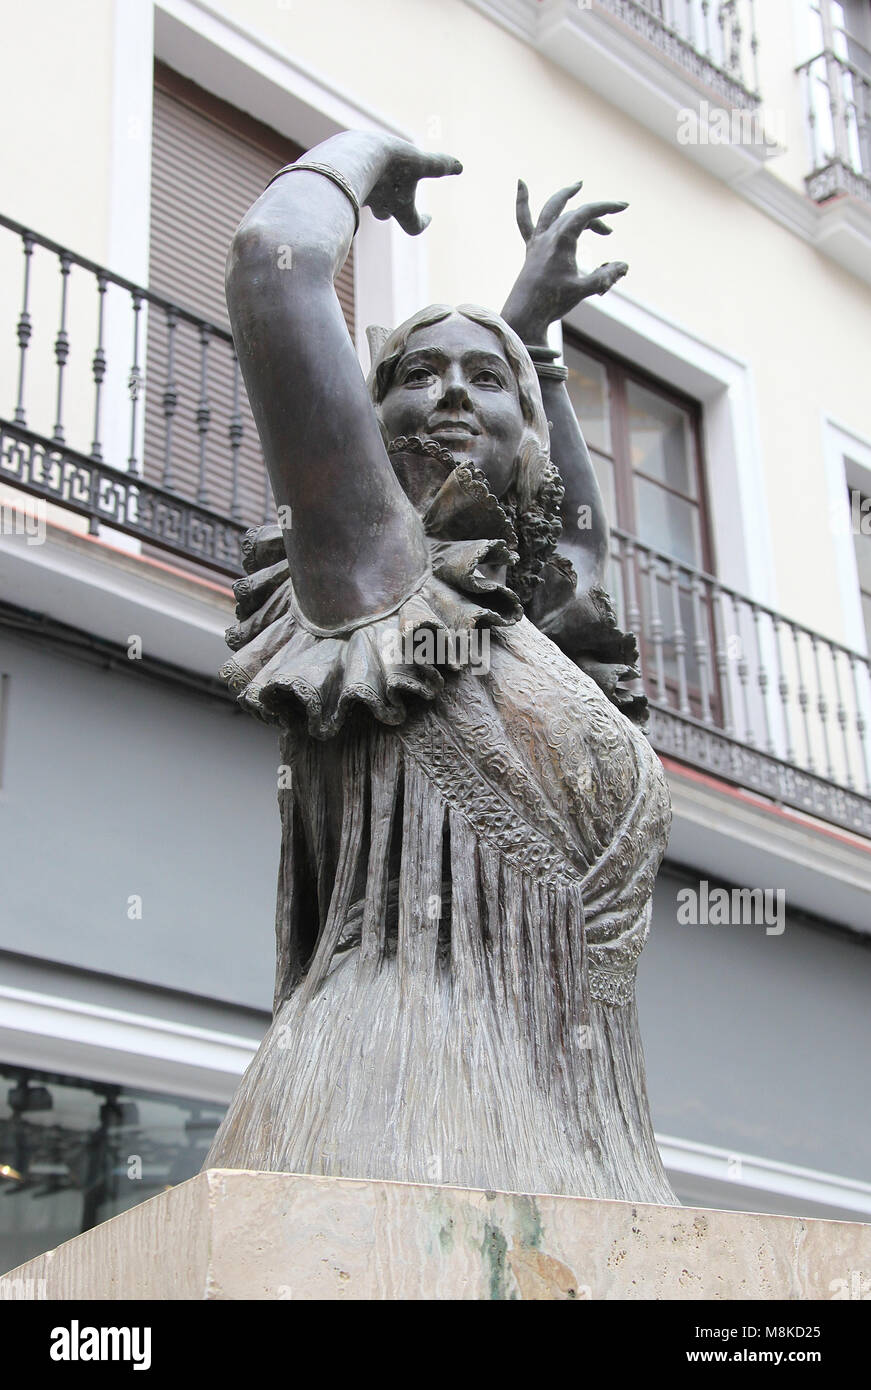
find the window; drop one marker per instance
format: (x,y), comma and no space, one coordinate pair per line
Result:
(75,1152)
(860,509)
(210,162)
(644,440)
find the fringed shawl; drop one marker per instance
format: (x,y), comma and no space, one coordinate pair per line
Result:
(464,893)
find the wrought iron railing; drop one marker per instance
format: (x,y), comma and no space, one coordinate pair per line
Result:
(837,96)
(130,411)
(744,692)
(714,40)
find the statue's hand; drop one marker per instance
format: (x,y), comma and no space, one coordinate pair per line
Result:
(394,192)
(549,284)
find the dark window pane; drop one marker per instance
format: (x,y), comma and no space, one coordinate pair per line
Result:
(668,523)
(862,544)
(617,589)
(74,1153)
(862,547)
(588,387)
(660,437)
(604,470)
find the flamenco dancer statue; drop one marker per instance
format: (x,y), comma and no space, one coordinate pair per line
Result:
(468,846)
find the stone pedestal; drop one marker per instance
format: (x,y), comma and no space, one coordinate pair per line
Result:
(237,1235)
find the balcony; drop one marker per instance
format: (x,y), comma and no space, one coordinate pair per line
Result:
(745,693)
(98,422)
(128,412)
(714,41)
(838,107)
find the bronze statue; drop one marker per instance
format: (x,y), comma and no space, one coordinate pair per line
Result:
(470,829)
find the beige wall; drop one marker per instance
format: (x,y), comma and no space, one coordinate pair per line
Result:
(56,105)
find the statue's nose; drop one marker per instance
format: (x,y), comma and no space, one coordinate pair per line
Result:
(454,394)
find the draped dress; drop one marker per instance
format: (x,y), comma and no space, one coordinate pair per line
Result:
(468,853)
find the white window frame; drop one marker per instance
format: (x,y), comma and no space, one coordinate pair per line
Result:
(248,71)
(737,501)
(848,466)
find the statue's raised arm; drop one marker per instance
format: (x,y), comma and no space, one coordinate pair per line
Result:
(547,288)
(354,543)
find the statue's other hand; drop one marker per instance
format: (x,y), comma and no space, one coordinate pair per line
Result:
(549,284)
(393,195)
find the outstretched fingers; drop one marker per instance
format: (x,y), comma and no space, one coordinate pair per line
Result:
(401,200)
(600,281)
(590,215)
(437,166)
(402,204)
(555,204)
(524,216)
(411,220)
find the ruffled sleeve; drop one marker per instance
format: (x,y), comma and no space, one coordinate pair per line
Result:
(282,669)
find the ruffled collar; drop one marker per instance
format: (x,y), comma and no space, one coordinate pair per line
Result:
(453,499)
(282,663)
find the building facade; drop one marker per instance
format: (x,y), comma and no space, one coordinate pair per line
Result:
(723,388)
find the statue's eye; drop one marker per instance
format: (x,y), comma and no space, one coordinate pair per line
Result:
(417,376)
(486,377)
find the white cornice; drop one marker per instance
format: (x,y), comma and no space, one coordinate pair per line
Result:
(92,584)
(85,1039)
(732,1172)
(735,835)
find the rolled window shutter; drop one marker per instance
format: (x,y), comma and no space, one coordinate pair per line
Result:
(209,164)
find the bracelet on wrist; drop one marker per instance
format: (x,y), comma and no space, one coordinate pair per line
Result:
(542,352)
(550,371)
(543,361)
(329,173)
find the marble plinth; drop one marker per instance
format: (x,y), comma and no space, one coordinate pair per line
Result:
(241,1235)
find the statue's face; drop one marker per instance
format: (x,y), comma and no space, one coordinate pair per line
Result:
(455,385)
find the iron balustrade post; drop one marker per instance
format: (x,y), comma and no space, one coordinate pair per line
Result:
(700,645)
(657,628)
(762,677)
(170,398)
(236,432)
(783,691)
(680,641)
(742,669)
(134,383)
(822,708)
(722,659)
(841,716)
(803,698)
(204,413)
(98,365)
(633,609)
(24,329)
(61,348)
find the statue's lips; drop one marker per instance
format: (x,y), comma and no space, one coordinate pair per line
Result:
(457,429)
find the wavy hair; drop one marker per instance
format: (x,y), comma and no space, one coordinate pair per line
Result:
(535,492)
